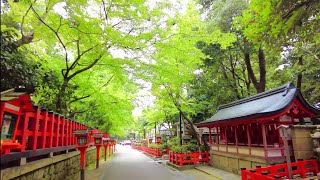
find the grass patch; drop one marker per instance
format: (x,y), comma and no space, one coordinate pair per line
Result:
(93,165)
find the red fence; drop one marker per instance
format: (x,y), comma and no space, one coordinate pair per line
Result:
(151,151)
(192,158)
(300,168)
(25,127)
(42,129)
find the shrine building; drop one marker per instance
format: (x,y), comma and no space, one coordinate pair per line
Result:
(244,133)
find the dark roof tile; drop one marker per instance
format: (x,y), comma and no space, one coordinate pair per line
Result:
(259,105)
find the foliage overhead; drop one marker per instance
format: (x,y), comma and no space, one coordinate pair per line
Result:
(86,58)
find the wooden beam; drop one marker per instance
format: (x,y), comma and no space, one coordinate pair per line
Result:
(264,138)
(210,138)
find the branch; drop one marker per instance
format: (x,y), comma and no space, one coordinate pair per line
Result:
(295,7)
(59,24)
(107,82)
(78,112)
(55,32)
(73,65)
(105,10)
(77,99)
(85,68)
(22,22)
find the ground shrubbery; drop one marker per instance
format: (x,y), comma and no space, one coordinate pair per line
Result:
(175,147)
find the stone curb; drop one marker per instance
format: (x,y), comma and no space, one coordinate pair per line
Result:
(208,173)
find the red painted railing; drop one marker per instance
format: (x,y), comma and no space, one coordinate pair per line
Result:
(40,129)
(151,151)
(192,158)
(301,168)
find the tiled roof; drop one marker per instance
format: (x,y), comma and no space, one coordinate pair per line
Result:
(266,103)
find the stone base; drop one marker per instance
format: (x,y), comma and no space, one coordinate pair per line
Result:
(233,163)
(184,167)
(165,157)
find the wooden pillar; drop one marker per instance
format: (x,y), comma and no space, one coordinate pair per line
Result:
(210,138)
(51,118)
(24,131)
(67,132)
(36,128)
(225,134)
(44,130)
(236,136)
(264,138)
(218,135)
(56,143)
(249,138)
(63,136)
(71,132)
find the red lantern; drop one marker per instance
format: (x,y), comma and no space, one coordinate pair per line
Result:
(83,138)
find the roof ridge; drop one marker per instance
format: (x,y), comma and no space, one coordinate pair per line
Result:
(284,88)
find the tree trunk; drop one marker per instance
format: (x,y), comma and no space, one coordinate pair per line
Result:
(60,108)
(192,127)
(262,68)
(299,80)
(260,86)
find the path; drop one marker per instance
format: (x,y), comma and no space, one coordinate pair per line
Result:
(129,164)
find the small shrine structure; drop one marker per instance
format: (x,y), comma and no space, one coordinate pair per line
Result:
(244,133)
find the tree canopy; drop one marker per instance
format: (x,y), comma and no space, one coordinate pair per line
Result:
(87,59)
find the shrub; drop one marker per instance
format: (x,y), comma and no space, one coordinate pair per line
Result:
(164,146)
(173,142)
(153,146)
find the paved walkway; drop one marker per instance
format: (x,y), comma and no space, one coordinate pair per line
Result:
(129,164)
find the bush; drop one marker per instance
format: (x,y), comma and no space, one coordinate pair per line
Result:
(186,149)
(192,147)
(173,142)
(164,146)
(136,144)
(154,146)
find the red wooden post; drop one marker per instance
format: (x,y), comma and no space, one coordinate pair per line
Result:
(225,135)
(83,137)
(57,117)
(74,128)
(97,143)
(51,118)
(264,138)
(218,135)
(36,128)
(210,138)
(70,132)
(249,138)
(66,140)
(82,162)
(24,131)
(62,132)
(236,137)
(44,130)
(180,159)
(72,136)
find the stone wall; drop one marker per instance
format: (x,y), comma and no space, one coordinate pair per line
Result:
(302,141)
(233,163)
(65,166)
